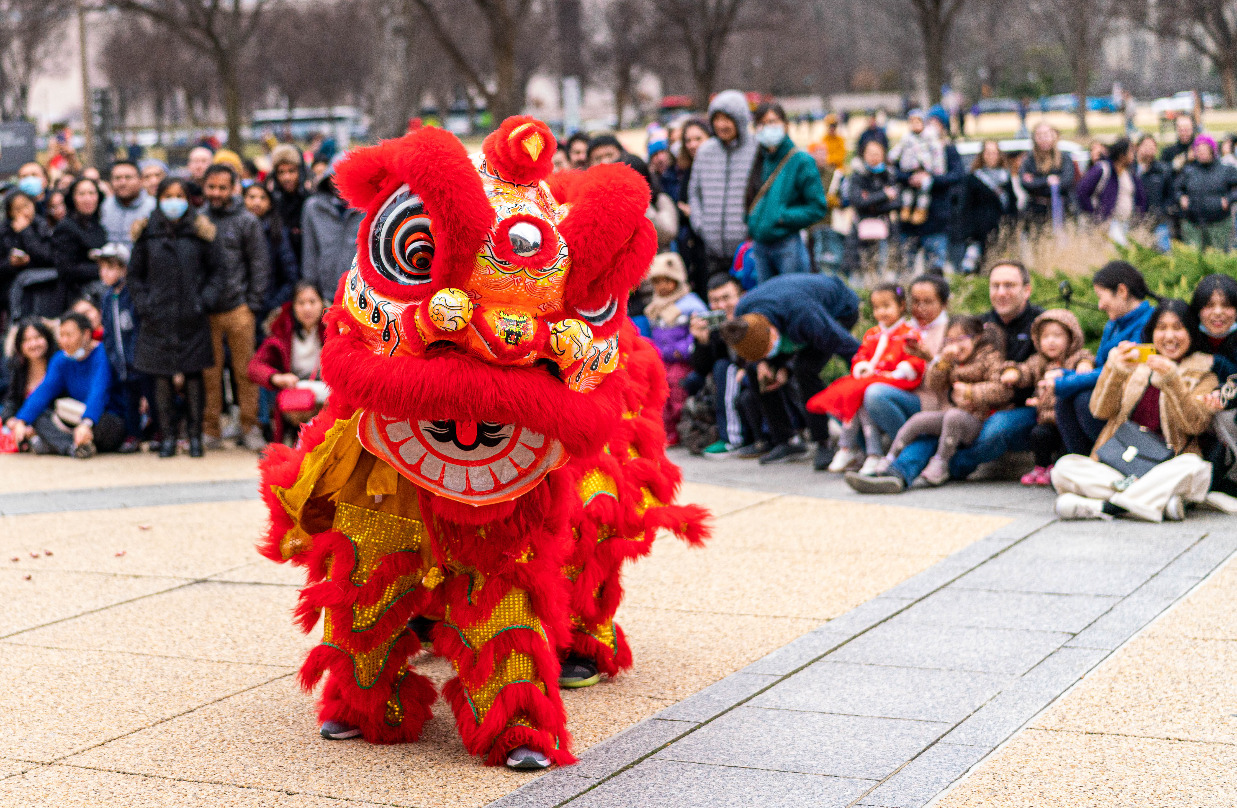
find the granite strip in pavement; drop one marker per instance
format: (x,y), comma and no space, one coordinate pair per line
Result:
(138,496)
(889,704)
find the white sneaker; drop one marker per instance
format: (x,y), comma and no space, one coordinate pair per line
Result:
(842,459)
(870,464)
(1174,511)
(1072,506)
(253,440)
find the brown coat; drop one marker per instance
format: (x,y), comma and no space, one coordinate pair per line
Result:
(1031,371)
(1183,415)
(982,370)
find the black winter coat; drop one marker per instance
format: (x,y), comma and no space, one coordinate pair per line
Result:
(72,241)
(174,280)
(35,241)
(1039,192)
(866,191)
(1206,186)
(1157,181)
(980,209)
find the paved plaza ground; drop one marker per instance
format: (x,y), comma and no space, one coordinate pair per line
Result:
(955,645)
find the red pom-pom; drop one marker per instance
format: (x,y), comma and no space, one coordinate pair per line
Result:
(521,150)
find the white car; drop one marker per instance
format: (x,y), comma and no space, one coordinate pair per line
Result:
(1182,102)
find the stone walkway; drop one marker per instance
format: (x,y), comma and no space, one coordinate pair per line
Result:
(889,704)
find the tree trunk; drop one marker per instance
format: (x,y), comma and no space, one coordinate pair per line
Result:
(504,103)
(159,115)
(704,86)
(230,85)
(934,57)
(1082,74)
(1228,78)
(622,94)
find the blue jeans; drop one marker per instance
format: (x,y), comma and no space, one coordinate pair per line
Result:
(935,249)
(1003,432)
(1079,428)
(889,407)
(783,257)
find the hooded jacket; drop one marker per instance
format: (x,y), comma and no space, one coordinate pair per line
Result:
(719,180)
(814,311)
(1206,185)
(1031,371)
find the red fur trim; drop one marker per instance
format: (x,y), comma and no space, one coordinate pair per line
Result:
(611,242)
(517,699)
(453,385)
(506,156)
(517,736)
(563,185)
(343,700)
(435,166)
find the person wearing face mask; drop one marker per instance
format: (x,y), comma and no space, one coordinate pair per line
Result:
(718,181)
(1215,305)
(32,181)
(174,281)
(73,412)
(784,196)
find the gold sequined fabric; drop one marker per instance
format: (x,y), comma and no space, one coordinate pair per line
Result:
(516,668)
(366,617)
(375,535)
(513,611)
(597,483)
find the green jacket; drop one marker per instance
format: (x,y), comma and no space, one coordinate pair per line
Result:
(796,199)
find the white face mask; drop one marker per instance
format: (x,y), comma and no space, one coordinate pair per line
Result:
(771,135)
(79,354)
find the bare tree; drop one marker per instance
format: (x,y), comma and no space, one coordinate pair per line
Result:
(935,20)
(218,30)
(630,37)
(492,56)
(1080,27)
(702,28)
(1207,26)
(28,29)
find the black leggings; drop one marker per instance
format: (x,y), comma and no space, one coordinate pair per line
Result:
(165,405)
(1046,443)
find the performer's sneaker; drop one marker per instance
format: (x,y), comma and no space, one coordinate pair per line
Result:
(578,672)
(524,758)
(339,731)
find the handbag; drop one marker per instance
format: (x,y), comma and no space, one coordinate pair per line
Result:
(1134,450)
(875,228)
(296,399)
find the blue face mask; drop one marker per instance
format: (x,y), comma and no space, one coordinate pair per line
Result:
(877,169)
(30,186)
(173,207)
(771,135)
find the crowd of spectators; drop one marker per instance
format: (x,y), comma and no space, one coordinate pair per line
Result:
(932,395)
(175,309)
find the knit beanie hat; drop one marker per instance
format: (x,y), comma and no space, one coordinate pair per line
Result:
(750,336)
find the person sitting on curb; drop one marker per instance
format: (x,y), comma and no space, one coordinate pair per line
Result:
(1009,291)
(72,412)
(792,325)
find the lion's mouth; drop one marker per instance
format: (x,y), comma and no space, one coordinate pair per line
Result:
(477,462)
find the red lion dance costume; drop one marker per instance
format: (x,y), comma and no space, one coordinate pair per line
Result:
(492,449)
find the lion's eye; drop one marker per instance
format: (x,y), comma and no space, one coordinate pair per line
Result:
(602,315)
(401,241)
(525,239)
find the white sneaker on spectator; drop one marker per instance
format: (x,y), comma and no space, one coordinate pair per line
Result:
(1072,506)
(212,444)
(882,465)
(253,440)
(841,459)
(1174,511)
(870,464)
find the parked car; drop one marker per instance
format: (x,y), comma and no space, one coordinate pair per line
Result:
(1182,102)
(967,149)
(987,105)
(1068,102)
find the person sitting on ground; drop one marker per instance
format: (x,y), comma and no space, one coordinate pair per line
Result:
(966,373)
(881,359)
(72,412)
(1060,347)
(889,407)
(175,280)
(1165,394)
(290,358)
(669,314)
(1215,305)
(34,345)
(1009,291)
(1122,294)
(711,357)
(792,325)
(119,337)
(88,306)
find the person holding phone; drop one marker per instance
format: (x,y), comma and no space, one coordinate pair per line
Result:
(25,246)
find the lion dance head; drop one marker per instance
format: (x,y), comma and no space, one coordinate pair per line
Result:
(480,324)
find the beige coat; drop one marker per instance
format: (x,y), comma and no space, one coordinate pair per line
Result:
(1183,415)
